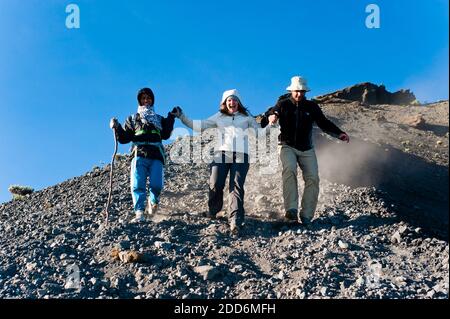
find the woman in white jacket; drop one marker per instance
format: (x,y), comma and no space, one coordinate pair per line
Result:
(231,155)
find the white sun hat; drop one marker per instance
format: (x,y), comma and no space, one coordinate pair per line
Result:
(229,93)
(298,84)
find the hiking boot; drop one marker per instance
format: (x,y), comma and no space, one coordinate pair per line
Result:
(209,215)
(306,222)
(152,208)
(291,214)
(139,218)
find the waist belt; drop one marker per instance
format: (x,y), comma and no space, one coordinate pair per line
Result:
(157,144)
(147,143)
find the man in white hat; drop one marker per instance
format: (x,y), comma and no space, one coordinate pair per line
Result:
(296,115)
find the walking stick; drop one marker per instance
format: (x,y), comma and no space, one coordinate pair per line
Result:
(111,176)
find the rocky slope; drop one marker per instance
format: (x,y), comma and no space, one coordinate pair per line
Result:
(369,94)
(400,149)
(54,244)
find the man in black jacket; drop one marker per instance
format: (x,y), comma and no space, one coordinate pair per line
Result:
(296,115)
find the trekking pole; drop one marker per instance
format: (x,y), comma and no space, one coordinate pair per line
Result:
(111,176)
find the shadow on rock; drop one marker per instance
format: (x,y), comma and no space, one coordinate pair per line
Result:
(418,188)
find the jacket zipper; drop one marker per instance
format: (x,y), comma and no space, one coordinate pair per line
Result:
(296,124)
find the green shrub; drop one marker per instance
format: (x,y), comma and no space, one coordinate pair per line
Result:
(18,197)
(20,190)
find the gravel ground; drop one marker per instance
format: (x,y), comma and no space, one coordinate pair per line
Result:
(55,245)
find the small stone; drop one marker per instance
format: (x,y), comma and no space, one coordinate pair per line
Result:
(236,269)
(41,292)
(162,245)
(71,284)
(431,293)
(281,275)
(323,291)
(396,238)
(208,272)
(421,291)
(400,281)
(30,266)
(402,229)
(342,244)
(439,288)
(360,281)
(130,256)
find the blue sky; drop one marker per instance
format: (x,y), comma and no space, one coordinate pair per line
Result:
(59,87)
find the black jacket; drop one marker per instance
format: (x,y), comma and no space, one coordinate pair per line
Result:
(146,137)
(296,121)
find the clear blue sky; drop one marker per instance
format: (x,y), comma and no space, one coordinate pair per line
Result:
(59,87)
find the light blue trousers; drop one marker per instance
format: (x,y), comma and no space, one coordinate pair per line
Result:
(141,169)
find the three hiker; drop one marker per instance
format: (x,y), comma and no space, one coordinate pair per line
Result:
(296,116)
(230,155)
(146,129)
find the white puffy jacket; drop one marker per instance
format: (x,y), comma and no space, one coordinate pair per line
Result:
(232,130)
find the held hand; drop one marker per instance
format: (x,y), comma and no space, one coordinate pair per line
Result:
(344,137)
(177,111)
(273,119)
(114,123)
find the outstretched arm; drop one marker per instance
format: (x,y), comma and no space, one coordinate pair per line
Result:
(200,125)
(167,126)
(329,127)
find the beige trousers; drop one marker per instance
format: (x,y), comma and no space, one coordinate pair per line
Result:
(307,161)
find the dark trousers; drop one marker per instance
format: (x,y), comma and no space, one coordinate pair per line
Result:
(237,165)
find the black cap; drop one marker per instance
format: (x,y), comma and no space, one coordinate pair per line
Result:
(145,91)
